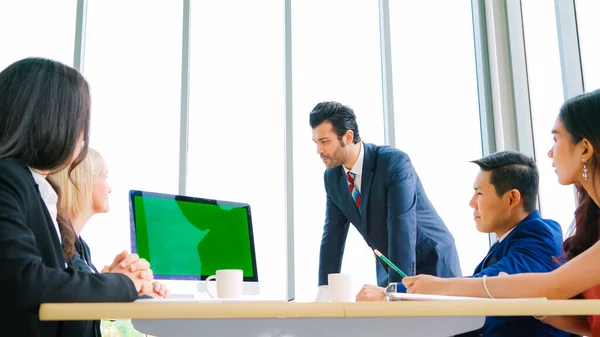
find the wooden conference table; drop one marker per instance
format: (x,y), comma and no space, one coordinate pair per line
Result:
(176,318)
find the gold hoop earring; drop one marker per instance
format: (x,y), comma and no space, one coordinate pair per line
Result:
(585,172)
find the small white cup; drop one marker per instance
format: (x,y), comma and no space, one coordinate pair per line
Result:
(230,283)
(340,287)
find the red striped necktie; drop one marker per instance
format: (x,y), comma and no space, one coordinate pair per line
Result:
(353,189)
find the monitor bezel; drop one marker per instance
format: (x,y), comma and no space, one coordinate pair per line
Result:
(132,228)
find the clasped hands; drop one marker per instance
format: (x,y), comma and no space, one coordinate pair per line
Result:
(138,270)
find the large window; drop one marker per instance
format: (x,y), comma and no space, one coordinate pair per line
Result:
(236,128)
(37,28)
(133,53)
(546,96)
(435,85)
(335,57)
(133,67)
(588,27)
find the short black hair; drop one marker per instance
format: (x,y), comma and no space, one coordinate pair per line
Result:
(341,117)
(44,109)
(513,170)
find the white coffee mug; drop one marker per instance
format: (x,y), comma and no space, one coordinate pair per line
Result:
(340,287)
(230,283)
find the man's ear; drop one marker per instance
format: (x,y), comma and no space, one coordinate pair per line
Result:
(514,198)
(349,137)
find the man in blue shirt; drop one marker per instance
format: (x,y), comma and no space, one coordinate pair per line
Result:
(504,203)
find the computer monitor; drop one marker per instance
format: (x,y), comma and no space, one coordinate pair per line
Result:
(187,238)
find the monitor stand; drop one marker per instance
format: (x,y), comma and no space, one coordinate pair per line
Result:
(189,289)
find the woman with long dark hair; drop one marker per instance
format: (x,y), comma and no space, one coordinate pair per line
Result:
(576,157)
(44,127)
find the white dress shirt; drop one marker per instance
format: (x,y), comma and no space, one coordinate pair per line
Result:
(506,234)
(357,168)
(49,196)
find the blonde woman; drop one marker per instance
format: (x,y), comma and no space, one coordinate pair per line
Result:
(84,192)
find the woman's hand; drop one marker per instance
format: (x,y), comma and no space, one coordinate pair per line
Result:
(138,270)
(159,290)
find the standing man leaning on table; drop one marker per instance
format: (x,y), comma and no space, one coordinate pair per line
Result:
(377,189)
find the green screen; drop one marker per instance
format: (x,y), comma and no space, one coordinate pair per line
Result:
(189,239)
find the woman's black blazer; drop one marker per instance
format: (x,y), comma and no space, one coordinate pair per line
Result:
(32,263)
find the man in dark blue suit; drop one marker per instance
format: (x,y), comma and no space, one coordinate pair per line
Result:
(504,202)
(376,189)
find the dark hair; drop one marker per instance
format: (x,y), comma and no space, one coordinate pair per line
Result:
(341,117)
(513,170)
(581,118)
(44,109)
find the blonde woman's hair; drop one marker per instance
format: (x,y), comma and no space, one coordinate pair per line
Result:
(76,187)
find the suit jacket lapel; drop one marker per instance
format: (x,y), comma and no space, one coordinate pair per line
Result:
(352,215)
(365,188)
(486,261)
